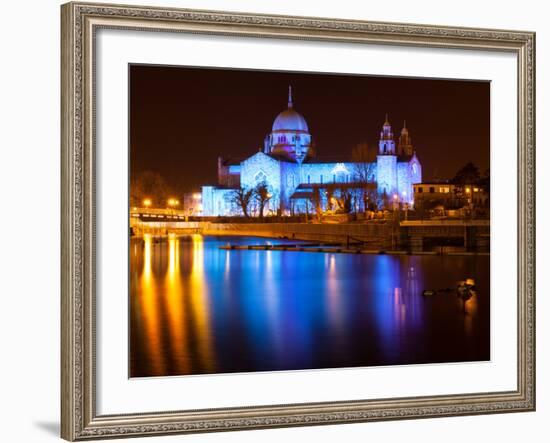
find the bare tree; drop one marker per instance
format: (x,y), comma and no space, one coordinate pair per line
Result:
(317,202)
(330,196)
(262,196)
(242,197)
(344,201)
(364,158)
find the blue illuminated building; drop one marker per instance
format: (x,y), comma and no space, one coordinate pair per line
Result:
(297,179)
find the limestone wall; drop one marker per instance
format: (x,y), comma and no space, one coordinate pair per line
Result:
(320,232)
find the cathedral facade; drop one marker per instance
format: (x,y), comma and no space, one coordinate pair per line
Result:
(297,179)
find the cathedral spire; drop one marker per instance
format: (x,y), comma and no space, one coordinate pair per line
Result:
(289,96)
(405,142)
(386,143)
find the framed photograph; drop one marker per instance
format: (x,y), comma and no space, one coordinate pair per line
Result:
(283,221)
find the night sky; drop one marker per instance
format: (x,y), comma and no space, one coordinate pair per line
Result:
(182,119)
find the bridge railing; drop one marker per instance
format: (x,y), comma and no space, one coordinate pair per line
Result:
(156,211)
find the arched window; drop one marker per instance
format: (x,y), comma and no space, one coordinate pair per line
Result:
(260,177)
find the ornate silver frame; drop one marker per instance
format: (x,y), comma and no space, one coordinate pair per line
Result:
(80,21)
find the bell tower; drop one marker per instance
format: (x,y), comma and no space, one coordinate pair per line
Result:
(386,145)
(405,142)
(386,162)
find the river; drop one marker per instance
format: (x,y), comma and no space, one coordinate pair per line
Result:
(198,309)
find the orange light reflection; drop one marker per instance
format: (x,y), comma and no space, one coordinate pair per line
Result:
(150,308)
(200,306)
(175,306)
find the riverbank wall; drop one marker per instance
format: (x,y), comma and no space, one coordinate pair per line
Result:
(373,234)
(412,236)
(376,234)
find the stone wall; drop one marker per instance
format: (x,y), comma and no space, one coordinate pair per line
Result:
(373,232)
(376,234)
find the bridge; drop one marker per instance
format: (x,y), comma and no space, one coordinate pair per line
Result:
(161,221)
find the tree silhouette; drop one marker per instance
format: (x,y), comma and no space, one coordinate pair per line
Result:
(467,175)
(344,201)
(485,181)
(242,197)
(149,185)
(329,192)
(364,156)
(317,201)
(262,196)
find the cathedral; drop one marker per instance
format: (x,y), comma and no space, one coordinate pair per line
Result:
(297,179)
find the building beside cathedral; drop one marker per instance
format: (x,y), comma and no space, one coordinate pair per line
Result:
(297,178)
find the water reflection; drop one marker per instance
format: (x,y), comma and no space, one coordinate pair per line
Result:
(198,309)
(150,309)
(200,306)
(175,309)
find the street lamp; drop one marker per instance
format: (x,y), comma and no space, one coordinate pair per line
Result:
(172,202)
(468,192)
(147,202)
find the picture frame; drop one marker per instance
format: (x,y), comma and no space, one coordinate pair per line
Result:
(80,23)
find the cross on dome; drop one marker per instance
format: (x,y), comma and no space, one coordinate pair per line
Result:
(289,96)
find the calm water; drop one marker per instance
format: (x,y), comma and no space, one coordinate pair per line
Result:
(197,309)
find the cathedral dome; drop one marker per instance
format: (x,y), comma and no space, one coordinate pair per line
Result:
(290,120)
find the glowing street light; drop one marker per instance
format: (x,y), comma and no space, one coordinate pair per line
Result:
(197,196)
(147,202)
(173,202)
(395,202)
